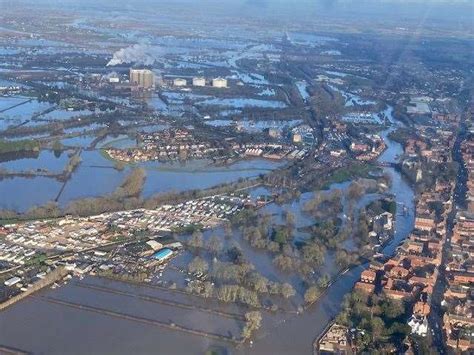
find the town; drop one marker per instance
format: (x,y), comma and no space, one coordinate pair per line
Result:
(236,177)
(435,255)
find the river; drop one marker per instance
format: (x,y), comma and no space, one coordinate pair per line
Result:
(46,328)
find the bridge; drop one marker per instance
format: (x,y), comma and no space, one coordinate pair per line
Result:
(385,164)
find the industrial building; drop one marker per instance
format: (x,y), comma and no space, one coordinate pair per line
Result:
(142,78)
(154,245)
(180,82)
(297,138)
(163,254)
(199,81)
(219,83)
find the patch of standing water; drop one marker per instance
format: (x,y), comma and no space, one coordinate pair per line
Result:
(303,89)
(47,161)
(242,103)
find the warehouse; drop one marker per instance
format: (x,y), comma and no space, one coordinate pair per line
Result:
(163,254)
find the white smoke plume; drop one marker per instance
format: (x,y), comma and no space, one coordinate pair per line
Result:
(138,53)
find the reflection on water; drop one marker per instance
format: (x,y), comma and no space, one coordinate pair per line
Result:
(96,176)
(46,160)
(243,102)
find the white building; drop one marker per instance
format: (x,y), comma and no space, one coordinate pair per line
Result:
(199,81)
(419,326)
(142,78)
(219,83)
(179,82)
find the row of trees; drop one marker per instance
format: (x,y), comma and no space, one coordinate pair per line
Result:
(253,321)
(132,185)
(19,146)
(214,244)
(229,275)
(125,197)
(72,164)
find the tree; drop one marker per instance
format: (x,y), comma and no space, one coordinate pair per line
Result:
(287,290)
(392,309)
(196,240)
(214,245)
(399,329)
(312,294)
(324,281)
(235,254)
(362,230)
(254,236)
(273,288)
(132,185)
(342,258)
(245,217)
(236,293)
(48,210)
(198,265)
(273,246)
(231,272)
(57,147)
(284,263)
(355,190)
(253,321)
(264,223)
(72,164)
(287,250)
(207,289)
(313,253)
(280,236)
(377,326)
(257,282)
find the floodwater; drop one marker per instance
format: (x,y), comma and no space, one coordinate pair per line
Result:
(96,176)
(303,89)
(352,99)
(61,114)
(76,331)
(15,110)
(47,160)
(22,193)
(243,102)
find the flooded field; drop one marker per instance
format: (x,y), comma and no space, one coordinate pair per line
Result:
(96,176)
(238,103)
(18,110)
(280,90)
(46,161)
(66,320)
